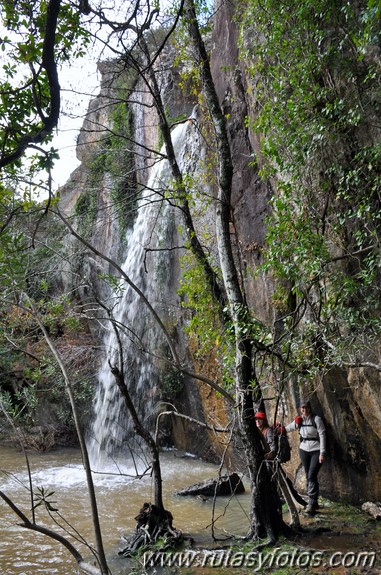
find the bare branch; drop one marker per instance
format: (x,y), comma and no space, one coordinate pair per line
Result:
(86,567)
(359,364)
(190,419)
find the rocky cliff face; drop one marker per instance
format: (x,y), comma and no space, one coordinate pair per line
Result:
(349,400)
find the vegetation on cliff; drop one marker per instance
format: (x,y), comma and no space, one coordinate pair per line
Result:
(315,70)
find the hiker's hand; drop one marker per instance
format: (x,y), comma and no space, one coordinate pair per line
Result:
(321,458)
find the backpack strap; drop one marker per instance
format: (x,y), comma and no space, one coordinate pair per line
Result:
(313,424)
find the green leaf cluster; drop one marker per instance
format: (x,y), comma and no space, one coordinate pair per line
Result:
(211,338)
(44,497)
(315,71)
(25,91)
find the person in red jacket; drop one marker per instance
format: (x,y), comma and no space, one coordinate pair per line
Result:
(268,434)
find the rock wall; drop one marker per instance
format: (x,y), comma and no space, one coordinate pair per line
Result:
(349,401)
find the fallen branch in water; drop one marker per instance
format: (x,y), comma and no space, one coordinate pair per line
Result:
(82,564)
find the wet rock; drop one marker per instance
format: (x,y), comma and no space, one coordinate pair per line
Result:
(224,485)
(374,509)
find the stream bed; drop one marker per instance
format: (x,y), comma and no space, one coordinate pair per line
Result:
(23,552)
(338,532)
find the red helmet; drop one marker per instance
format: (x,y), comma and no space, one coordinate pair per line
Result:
(298,420)
(260,415)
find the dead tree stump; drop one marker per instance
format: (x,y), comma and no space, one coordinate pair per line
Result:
(152,523)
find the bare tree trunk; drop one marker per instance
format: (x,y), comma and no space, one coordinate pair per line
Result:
(264,514)
(144,434)
(153,521)
(85,456)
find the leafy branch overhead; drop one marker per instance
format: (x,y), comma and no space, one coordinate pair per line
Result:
(30,99)
(315,70)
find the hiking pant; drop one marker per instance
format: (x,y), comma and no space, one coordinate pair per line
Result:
(310,461)
(272,468)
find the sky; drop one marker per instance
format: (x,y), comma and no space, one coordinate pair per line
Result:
(80,82)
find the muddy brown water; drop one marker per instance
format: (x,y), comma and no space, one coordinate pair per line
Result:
(23,552)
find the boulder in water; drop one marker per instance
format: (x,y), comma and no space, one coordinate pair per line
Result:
(224,485)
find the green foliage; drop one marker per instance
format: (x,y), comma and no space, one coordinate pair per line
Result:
(315,71)
(115,156)
(40,385)
(83,394)
(197,298)
(250,327)
(184,61)
(12,260)
(25,91)
(204,326)
(172,383)
(115,283)
(120,163)
(28,280)
(20,406)
(86,210)
(44,497)
(293,233)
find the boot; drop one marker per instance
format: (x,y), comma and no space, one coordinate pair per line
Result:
(310,509)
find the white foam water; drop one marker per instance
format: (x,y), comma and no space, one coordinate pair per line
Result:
(147,265)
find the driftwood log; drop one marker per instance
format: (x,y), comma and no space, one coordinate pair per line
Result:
(152,523)
(224,485)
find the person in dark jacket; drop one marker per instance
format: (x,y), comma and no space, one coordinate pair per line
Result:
(269,452)
(268,434)
(312,450)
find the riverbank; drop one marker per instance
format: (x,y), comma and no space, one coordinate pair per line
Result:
(339,540)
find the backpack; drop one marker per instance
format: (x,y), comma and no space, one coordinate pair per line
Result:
(283,447)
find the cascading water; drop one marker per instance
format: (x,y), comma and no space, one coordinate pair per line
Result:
(61,471)
(150,271)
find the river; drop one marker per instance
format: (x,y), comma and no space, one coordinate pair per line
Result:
(23,552)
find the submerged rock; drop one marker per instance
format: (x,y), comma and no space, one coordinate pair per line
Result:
(224,485)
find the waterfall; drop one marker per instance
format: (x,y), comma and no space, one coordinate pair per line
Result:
(150,271)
